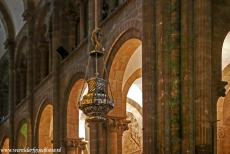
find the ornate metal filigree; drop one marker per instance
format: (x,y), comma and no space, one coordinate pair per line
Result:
(96,103)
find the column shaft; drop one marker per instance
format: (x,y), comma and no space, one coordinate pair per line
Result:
(9,45)
(203,74)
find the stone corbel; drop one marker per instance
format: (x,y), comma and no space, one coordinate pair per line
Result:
(221,88)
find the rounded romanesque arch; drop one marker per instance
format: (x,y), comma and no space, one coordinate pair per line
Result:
(119,72)
(22,135)
(136,75)
(75,119)
(223,104)
(7,21)
(44,130)
(125,76)
(5,145)
(73,111)
(127,29)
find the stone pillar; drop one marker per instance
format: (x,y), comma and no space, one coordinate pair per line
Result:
(149,73)
(115,129)
(91,16)
(82,20)
(73,18)
(203,112)
(28,17)
(112,138)
(44,52)
(56,42)
(175,79)
(99,13)
(10,46)
(97,137)
(187,74)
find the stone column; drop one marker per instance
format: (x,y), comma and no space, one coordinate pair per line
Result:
(203,112)
(97,137)
(175,79)
(149,74)
(73,18)
(28,17)
(44,51)
(82,20)
(56,42)
(112,146)
(91,16)
(115,130)
(187,74)
(10,46)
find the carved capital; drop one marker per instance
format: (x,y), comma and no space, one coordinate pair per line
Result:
(221,88)
(9,43)
(27,15)
(76,143)
(120,125)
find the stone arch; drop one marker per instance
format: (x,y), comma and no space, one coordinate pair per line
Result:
(73,111)
(133,137)
(74,121)
(71,121)
(22,135)
(116,64)
(222,43)
(7,21)
(5,144)
(21,70)
(136,75)
(119,40)
(72,78)
(132,28)
(44,125)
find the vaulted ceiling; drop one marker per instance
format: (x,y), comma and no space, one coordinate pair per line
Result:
(10,20)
